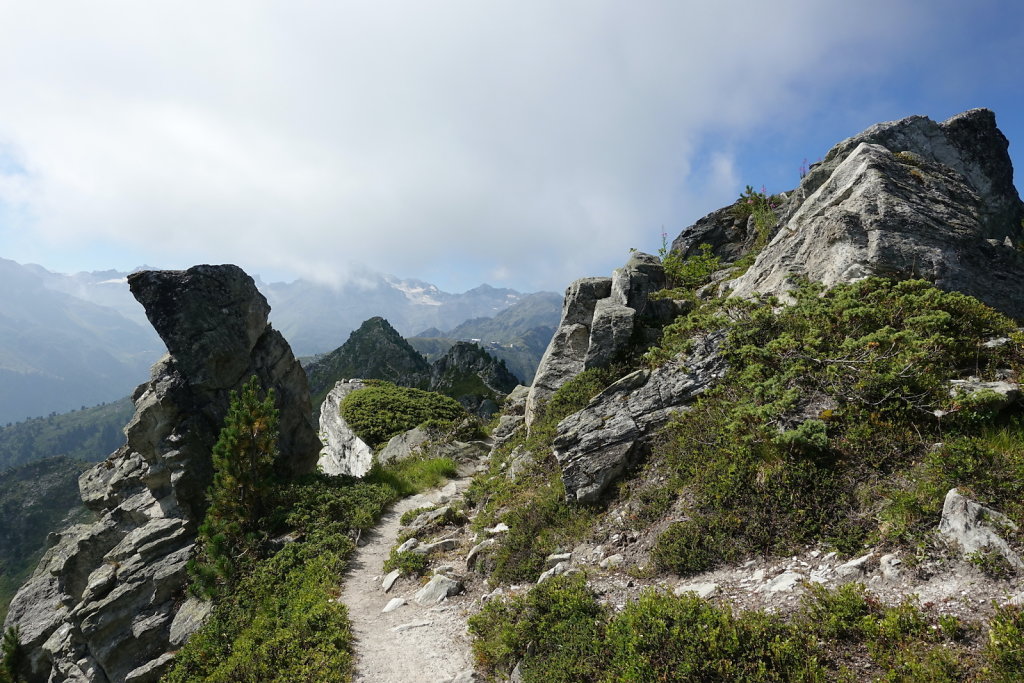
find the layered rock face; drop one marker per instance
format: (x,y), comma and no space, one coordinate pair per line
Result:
(343,452)
(595,445)
(907,199)
(601,318)
(102,604)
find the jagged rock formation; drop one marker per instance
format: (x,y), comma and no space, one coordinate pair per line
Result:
(343,451)
(601,318)
(465,372)
(472,377)
(595,445)
(911,198)
(374,351)
(101,604)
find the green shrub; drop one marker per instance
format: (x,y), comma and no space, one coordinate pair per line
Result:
(1004,650)
(559,631)
(12,656)
(689,639)
(556,630)
(382,410)
(684,276)
(876,355)
(407,561)
(410,515)
(280,622)
(409,477)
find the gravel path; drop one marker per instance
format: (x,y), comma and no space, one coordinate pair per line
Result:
(433,646)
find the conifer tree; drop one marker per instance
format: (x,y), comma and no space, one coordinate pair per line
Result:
(11,656)
(243,480)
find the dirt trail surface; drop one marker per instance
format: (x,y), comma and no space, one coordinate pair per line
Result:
(413,643)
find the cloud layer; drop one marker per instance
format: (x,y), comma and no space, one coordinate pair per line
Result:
(525,143)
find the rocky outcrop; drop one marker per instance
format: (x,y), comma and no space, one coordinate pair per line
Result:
(404,446)
(374,351)
(101,604)
(907,199)
(472,377)
(973,528)
(343,452)
(729,236)
(601,318)
(595,445)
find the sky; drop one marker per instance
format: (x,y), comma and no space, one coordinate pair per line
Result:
(519,143)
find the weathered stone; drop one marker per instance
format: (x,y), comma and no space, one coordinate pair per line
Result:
(515,402)
(854,570)
(437,589)
(190,617)
(552,560)
(478,551)
(972,528)
(905,199)
(409,544)
(783,583)
(889,564)
(101,603)
(343,452)
(595,445)
(729,237)
(610,332)
(392,605)
(633,285)
(557,570)
(389,579)
(611,562)
(703,590)
(519,461)
(403,446)
(1009,392)
(564,357)
(506,427)
(444,545)
(152,671)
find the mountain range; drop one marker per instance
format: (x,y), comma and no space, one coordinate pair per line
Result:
(70,341)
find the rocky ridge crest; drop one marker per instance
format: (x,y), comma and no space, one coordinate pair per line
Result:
(103,604)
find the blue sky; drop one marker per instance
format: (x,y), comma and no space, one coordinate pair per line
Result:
(522,144)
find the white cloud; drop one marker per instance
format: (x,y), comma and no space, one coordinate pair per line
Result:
(539,139)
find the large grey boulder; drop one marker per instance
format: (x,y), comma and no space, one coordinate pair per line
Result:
(404,446)
(343,452)
(101,604)
(909,199)
(602,318)
(972,528)
(595,445)
(566,353)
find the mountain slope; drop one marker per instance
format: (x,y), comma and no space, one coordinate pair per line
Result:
(88,434)
(58,352)
(313,317)
(35,500)
(374,351)
(517,335)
